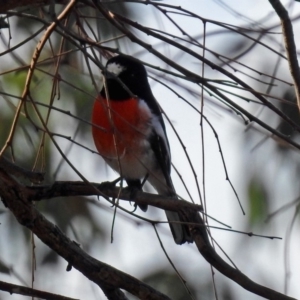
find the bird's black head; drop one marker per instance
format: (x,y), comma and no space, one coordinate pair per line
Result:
(125,77)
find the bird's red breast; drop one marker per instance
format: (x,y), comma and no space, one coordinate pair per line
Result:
(122,125)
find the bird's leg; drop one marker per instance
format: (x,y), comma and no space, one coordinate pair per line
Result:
(111,185)
(134,186)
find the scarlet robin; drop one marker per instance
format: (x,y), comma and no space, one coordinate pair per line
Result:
(131,134)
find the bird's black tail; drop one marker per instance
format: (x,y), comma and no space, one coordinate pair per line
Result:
(181,233)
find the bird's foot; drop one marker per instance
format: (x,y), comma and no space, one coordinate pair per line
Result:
(133,190)
(109,184)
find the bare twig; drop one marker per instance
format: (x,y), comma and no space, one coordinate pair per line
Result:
(35,57)
(172,264)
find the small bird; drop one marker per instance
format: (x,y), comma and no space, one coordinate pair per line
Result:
(130,133)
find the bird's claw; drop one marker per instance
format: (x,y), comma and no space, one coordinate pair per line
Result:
(110,184)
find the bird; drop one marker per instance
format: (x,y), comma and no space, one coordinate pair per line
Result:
(130,134)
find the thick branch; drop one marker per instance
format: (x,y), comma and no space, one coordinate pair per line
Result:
(79,188)
(17,171)
(211,256)
(13,4)
(26,291)
(290,46)
(108,278)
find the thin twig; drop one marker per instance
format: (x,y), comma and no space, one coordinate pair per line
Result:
(172,264)
(35,57)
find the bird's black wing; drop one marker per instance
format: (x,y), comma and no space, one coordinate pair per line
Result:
(160,146)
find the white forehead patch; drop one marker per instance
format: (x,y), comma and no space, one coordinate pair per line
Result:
(115,68)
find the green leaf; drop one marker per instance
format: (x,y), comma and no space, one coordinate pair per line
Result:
(258,202)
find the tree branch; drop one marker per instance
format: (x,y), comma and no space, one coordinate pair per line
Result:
(290,46)
(109,279)
(193,77)
(17,171)
(79,188)
(211,256)
(17,198)
(12,4)
(26,291)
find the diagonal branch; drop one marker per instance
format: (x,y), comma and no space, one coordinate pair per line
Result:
(196,78)
(34,60)
(26,291)
(199,235)
(117,20)
(109,279)
(290,46)
(17,198)
(17,171)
